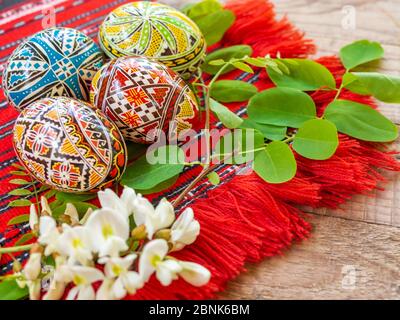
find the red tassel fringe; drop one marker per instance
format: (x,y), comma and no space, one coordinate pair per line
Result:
(247,219)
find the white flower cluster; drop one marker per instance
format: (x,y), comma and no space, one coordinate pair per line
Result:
(104,237)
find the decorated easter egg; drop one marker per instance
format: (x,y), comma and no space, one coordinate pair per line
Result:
(52,62)
(69,145)
(144,98)
(154,30)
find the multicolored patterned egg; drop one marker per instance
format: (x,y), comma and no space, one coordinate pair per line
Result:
(69,145)
(144,98)
(52,62)
(154,30)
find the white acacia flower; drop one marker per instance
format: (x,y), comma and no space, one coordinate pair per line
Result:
(105,291)
(153,260)
(109,231)
(123,204)
(33,267)
(154,219)
(71,212)
(57,286)
(185,230)
(153,253)
(194,273)
(167,271)
(83,278)
(123,280)
(45,206)
(86,216)
(48,234)
(34,289)
(75,243)
(33,217)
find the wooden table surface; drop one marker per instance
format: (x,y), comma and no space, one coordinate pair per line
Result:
(353,253)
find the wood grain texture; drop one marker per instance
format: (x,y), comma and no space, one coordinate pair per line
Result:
(363,238)
(363,235)
(342,260)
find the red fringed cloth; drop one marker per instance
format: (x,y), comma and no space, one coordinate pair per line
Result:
(243,219)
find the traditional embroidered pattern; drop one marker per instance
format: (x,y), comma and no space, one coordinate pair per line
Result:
(53,62)
(68,145)
(153,30)
(143,98)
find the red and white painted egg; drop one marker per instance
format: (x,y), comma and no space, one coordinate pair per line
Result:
(144,98)
(69,145)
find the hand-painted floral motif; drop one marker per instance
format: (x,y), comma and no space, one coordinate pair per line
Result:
(153,30)
(53,62)
(69,145)
(144,98)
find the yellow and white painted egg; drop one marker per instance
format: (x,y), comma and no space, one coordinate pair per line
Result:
(69,145)
(154,30)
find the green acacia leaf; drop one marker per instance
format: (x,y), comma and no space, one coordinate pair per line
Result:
(160,187)
(232,90)
(360,52)
(20,203)
(19,173)
(50,193)
(360,121)
(201,9)
(18,166)
(74,197)
(269,131)
(215,24)
(9,290)
(218,62)
(257,62)
(24,239)
(275,164)
(214,178)
(316,139)
(58,210)
(242,143)
(305,75)
(143,175)
(135,150)
(383,87)
(20,181)
(226,54)
(20,192)
(228,118)
(281,107)
(18,219)
(242,66)
(82,207)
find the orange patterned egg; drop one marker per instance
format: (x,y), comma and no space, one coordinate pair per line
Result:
(69,146)
(144,98)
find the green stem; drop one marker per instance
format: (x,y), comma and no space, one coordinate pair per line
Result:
(339,90)
(25,247)
(206,169)
(10,276)
(289,139)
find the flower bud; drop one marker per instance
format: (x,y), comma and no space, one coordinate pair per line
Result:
(46,211)
(139,233)
(17,267)
(36,248)
(65,219)
(163,234)
(33,267)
